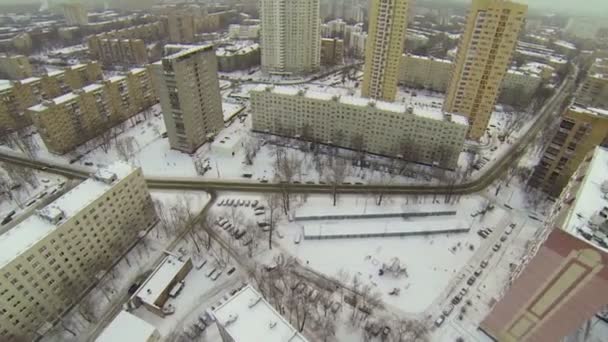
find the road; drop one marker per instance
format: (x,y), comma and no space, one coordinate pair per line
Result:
(492,173)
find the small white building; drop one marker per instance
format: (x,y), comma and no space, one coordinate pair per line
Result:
(248,317)
(127,327)
(227,145)
(155,291)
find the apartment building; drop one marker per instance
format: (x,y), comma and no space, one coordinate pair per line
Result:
(18,96)
(416,134)
(51,258)
(387,26)
(189,92)
(237,57)
(594,91)
(141,89)
(244,31)
(580,131)
(356,41)
(75,14)
(518,87)
(72,119)
(127,45)
(14,67)
(182,24)
(561,282)
(332,51)
(121,51)
(74,77)
(424,72)
(484,54)
(290,32)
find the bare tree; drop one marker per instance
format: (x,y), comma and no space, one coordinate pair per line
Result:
(273,201)
(336,175)
(286,166)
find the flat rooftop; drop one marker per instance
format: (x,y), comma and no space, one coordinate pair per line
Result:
(584,214)
(188,50)
(20,238)
(157,282)
(363,102)
(127,327)
(248,317)
(589,110)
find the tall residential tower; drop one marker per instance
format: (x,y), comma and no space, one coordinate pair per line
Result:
(189,93)
(290,36)
(387,26)
(484,54)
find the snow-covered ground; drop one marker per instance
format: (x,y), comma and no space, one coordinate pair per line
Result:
(430,261)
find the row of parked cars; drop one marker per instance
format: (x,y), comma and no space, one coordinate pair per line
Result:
(484,233)
(232,202)
(206,318)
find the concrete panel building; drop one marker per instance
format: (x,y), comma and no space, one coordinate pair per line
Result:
(484,54)
(563,280)
(15,67)
(415,134)
(290,32)
(594,91)
(244,31)
(122,51)
(128,327)
(50,259)
(69,120)
(580,131)
(425,72)
(236,57)
(387,26)
(75,14)
(248,317)
(332,51)
(154,291)
(189,92)
(17,97)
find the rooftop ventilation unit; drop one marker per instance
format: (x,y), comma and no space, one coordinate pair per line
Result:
(51,214)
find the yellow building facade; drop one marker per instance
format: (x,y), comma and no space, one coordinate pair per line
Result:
(484,54)
(387,27)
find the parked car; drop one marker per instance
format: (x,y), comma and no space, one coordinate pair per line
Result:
(484,264)
(482,233)
(463,291)
(477,273)
(496,247)
(503,238)
(471,281)
(447,311)
(439,321)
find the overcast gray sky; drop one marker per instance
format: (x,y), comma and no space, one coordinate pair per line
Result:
(593,7)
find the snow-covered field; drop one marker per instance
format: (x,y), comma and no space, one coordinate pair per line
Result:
(430,261)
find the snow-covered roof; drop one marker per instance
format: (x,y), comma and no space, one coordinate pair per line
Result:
(591,199)
(127,327)
(156,284)
(248,317)
(30,80)
(117,78)
(55,73)
(5,84)
(36,227)
(92,87)
(188,50)
(589,110)
(361,229)
(565,44)
(65,98)
(427,112)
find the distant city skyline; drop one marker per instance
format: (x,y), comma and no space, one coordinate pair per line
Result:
(597,8)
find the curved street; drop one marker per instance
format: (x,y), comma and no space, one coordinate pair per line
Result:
(549,112)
